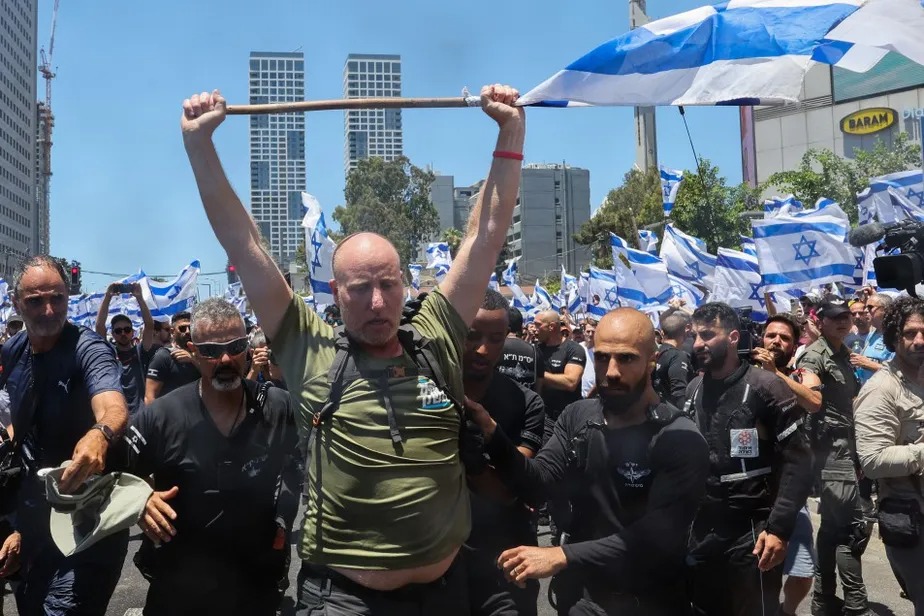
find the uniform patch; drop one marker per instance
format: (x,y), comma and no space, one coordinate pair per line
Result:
(431,397)
(744,443)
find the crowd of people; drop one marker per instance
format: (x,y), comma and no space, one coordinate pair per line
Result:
(426,441)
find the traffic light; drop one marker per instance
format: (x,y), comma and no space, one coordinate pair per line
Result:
(75,278)
(232,274)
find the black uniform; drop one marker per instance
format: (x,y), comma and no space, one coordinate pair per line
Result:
(672,374)
(170,372)
(634,490)
(759,479)
(521,363)
(554,359)
(234,494)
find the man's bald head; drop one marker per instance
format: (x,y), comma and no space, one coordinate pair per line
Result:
(549,316)
(362,246)
(627,326)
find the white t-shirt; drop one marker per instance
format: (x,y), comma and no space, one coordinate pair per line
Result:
(589,379)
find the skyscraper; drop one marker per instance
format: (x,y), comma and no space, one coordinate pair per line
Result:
(277,152)
(371,132)
(41,213)
(18,75)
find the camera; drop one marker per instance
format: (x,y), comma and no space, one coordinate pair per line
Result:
(750,333)
(905,269)
(123,288)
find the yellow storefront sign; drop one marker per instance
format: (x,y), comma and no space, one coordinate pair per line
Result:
(869,121)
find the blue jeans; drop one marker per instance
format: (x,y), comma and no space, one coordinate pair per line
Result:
(81,585)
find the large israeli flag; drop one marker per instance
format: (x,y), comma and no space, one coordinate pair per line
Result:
(877,202)
(648,270)
(320,251)
(782,205)
(804,249)
(544,300)
(738,283)
(603,292)
(178,295)
(671,179)
(648,241)
(692,295)
(738,52)
(521,301)
(511,275)
(686,257)
(568,282)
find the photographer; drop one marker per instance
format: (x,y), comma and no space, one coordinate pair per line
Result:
(263,366)
(890,442)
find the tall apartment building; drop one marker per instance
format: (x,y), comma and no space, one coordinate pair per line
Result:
(18,75)
(553,204)
(42,213)
(453,203)
(371,132)
(277,152)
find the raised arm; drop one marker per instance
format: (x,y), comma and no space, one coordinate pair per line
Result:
(490,218)
(147,336)
(236,231)
(103,313)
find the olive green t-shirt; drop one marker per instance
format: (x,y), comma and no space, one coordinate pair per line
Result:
(372,503)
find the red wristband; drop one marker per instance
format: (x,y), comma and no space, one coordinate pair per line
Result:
(510,155)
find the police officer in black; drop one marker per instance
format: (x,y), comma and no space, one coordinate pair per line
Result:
(843,533)
(673,369)
(760,474)
(635,469)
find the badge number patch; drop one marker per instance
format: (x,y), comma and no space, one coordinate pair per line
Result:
(744,443)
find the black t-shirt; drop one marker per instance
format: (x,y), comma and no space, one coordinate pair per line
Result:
(519,362)
(134,364)
(227,485)
(170,372)
(673,371)
(520,413)
(554,361)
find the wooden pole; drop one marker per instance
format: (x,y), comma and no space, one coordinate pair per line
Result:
(356,103)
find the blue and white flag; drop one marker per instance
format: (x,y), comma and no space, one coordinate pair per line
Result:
(575,302)
(520,300)
(603,292)
(747,245)
(319,251)
(438,254)
(649,271)
(876,201)
(440,271)
(692,295)
(804,249)
(415,269)
(738,52)
(782,205)
(166,299)
(648,241)
(493,283)
(511,275)
(569,283)
(671,179)
(686,257)
(861,40)
(544,300)
(738,284)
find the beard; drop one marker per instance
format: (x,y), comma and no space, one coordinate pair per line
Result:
(619,402)
(181,340)
(46,327)
(780,359)
(226,379)
(714,357)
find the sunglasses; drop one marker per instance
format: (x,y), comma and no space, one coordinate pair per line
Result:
(182,328)
(121,330)
(215,350)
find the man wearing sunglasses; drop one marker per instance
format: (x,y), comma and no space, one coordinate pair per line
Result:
(216,531)
(172,367)
(134,358)
(387,503)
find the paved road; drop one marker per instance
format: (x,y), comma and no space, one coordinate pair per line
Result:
(883,589)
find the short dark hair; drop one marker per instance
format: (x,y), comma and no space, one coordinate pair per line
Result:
(515,320)
(38,261)
(674,324)
(726,315)
(788,319)
(494,301)
(120,317)
(183,315)
(895,317)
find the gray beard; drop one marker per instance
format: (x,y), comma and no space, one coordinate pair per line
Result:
(225,385)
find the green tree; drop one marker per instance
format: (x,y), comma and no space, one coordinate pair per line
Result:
(635,204)
(453,237)
(708,208)
(824,174)
(393,199)
(301,257)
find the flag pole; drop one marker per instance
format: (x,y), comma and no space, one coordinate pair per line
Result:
(357,103)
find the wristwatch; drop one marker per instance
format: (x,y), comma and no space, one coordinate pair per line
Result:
(106,430)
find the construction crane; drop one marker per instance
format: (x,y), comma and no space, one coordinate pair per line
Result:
(47,119)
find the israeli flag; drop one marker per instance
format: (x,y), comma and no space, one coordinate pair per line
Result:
(543,299)
(178,295)
(415,269)
(738,284)
(320,251)
(584,286)
(492,282)
(782,205)
(569,283)
(603,291)
(738,52)
(686,257)
(648,240)
(440,271)
(438,254)
(876,201)
(692,295)
(649,272)
(747,245)
(520,300)
(511,275)
(575,302)
(804,249)
(670,185)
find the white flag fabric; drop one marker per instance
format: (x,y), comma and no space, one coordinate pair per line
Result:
(178,295)
(692,295)
(670,185)
(738,284)
(686,257)
(603,292)
(542,299)
(319,251)
(648,270)
(738,52)
(493,283)
(876,202)
(648,241)
(511,274)
(415,269)
(438,254)
(782,205)
(747,245)
(805,249)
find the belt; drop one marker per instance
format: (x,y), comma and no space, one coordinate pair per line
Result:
(325,576)
(757,472)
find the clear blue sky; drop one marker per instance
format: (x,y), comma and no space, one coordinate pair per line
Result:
(123,196)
